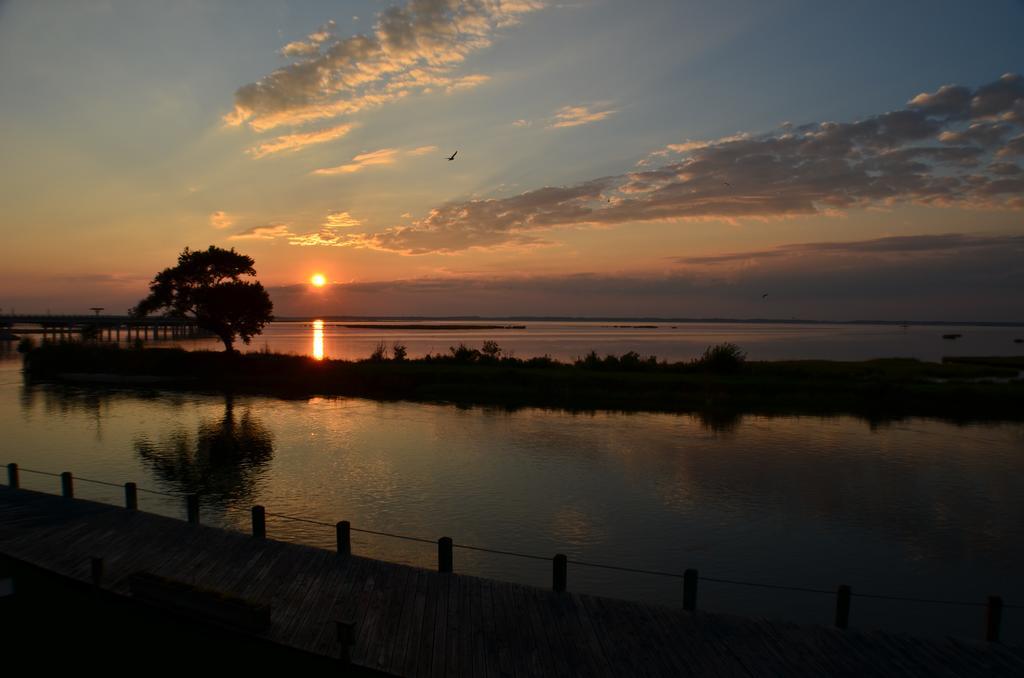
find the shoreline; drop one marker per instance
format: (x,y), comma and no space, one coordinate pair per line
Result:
(960,389)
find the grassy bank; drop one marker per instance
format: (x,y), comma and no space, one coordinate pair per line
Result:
(719,386)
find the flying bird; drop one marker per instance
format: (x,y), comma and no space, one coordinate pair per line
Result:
(764,296)
(727,184)
(452,156)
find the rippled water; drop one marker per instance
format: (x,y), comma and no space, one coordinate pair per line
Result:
(919,507)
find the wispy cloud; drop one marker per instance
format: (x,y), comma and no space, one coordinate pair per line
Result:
(221,219)
(311,45)
(413,48)
(328,235)
(689,145)
(904,245)
(266,232)
(940,150)
(340,220)
(294,142)
(574,116)
(383,156)
(423,150)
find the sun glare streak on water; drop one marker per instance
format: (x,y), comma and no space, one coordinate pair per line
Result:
(318,339)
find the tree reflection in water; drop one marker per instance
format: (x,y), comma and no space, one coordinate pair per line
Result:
(720,420)
(222,463)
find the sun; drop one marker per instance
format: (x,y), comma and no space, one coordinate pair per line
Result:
(318,280)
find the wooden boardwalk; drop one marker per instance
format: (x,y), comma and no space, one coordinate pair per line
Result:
(415,622)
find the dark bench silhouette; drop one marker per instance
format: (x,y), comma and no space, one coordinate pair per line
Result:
(202,604)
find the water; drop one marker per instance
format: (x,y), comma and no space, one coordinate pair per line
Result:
(919,508)
(569,340)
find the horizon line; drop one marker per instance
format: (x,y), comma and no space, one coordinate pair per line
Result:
(568,318)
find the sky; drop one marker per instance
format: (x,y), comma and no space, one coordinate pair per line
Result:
(825,160)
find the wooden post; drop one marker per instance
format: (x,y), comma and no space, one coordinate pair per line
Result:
(96,567)
(131,497)
(67,485)
(843,606)
(343,532)
(690,578)
(259,522)
(345,633)
(192,508)
(560,567)
(993,618)
(12,476)
(444,554)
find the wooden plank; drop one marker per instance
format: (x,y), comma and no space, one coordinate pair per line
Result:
(614,644)
(398,597)
(477,645)
(374,601)
(339,594)
(497,647)
(550,663)
(601,661)
(319,606)
(410,625)
(313,604)
(482,658)
(509,632)
(454,621)
(666,633)
(630,643)
(439,656)
(422,664)
(468,662)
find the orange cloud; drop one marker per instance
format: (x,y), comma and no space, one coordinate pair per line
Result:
(267,232)
(294,142)
(220,219)
(574,116)
(384,156)
(328,234)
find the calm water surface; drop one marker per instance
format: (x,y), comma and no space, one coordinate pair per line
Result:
(918,508)
(569,340)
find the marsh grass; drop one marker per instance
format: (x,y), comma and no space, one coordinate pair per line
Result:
(878,389)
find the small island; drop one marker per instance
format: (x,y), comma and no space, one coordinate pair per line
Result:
(719,383)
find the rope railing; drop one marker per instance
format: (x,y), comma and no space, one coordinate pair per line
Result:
(762,585)
(42,473)
(621,568)
(394,536)
(98,482)
(162,494)
(499,552)
(560,562)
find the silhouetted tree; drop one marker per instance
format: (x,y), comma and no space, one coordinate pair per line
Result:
(206,286)
(399,351)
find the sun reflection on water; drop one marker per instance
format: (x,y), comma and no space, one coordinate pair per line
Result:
(318,339)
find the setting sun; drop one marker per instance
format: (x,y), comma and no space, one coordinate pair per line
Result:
(318,280)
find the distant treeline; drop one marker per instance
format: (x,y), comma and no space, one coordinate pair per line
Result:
(719,384)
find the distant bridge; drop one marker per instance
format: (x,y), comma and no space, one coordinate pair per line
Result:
(103,326)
